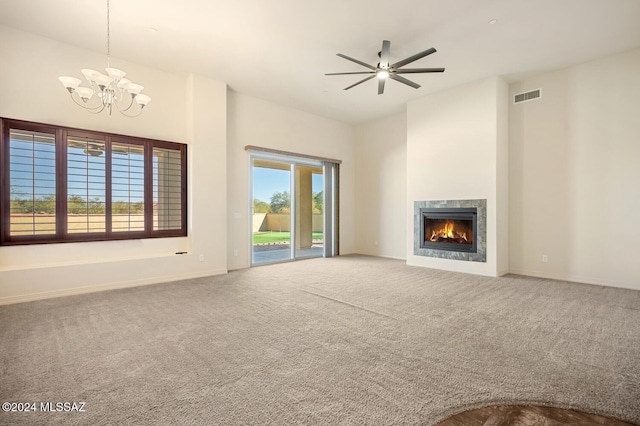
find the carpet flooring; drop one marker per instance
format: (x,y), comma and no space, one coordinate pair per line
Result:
(346,340)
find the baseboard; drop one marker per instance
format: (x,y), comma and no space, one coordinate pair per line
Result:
(374,254)
(104,287)
(574,279)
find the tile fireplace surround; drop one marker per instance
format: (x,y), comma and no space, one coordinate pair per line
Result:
(481,237)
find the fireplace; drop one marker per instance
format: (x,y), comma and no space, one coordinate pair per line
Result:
(451,229)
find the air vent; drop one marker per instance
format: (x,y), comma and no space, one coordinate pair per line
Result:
(527,96)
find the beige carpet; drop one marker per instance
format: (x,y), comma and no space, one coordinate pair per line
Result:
(348,340)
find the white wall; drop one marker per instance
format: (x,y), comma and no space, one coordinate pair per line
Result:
(186,109)
(575,174)
(381,182)
(256,122)
(454,140)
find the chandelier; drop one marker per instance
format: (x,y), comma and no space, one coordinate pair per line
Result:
(112,90)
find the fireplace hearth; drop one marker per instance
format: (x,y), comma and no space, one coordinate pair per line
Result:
(451,229)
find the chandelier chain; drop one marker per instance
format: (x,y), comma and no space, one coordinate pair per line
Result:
(108,38)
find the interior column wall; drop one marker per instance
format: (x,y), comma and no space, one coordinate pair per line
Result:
(455,139)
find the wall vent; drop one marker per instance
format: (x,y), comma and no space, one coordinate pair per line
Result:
(527,96)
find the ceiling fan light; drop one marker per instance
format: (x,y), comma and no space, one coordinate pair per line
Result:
(382,74)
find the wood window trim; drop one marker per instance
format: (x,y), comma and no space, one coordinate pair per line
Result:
(62,235)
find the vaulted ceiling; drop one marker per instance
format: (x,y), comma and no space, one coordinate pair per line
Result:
(279,50)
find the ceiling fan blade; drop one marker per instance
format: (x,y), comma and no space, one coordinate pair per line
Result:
(371,67)
(404,80)
(419,70)
(381,86)
(76,144)
(413,58)
(122,150)
(361,81)
(350,73)
(384,54)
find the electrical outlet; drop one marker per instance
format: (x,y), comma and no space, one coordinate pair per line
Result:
(375,243)
(201,258)
(235,252)
(545,258)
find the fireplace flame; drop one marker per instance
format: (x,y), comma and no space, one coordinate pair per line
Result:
(447,232)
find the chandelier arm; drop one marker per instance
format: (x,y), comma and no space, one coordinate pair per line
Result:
(95,110)
(128,115)
(123,111)
(128,107)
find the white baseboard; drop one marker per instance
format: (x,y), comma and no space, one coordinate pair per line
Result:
(575,279)
(376,254)
(9,300)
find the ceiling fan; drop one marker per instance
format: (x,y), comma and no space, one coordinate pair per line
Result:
(383,70)
(94,149)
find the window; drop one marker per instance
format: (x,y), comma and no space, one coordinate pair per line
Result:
(32,183)
(127,187)
(86,189)
(167,181)
(61,184)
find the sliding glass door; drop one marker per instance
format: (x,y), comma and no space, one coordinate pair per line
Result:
(289,209)
(309,212)
(271,231)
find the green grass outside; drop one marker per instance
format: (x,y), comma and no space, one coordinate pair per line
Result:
(278,237)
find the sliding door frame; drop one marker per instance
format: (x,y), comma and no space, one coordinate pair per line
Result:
(330,196)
